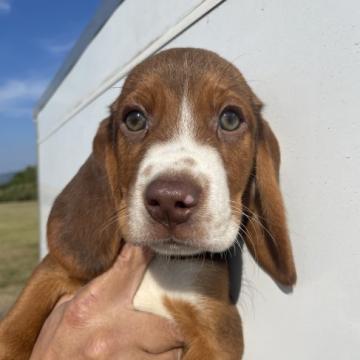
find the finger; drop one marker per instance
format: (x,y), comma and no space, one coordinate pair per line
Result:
(174,354)
(156,334)
(47,332)
(64,299)
(133,262)
(123,279)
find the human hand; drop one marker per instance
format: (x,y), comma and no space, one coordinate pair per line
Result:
(99,321)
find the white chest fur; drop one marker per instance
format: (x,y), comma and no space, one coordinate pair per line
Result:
(176,279)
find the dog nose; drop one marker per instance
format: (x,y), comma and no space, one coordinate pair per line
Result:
(172,201)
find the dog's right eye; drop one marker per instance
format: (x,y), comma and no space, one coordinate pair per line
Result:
(135,121)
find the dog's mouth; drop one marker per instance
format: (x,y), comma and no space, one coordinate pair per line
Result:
(174,247)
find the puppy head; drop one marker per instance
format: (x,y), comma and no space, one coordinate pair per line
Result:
(183,149)
(185,129)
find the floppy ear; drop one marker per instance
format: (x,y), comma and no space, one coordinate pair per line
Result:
(82,228)
(266,234)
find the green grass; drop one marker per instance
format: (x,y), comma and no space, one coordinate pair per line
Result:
(18,248)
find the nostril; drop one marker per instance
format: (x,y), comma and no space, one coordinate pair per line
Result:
(181,205)
(153,202)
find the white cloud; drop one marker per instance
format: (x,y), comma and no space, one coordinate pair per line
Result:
(20,89)
(5,6)
(60,48)
(17,97)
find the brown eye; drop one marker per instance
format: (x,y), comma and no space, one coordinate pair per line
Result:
(230,120)
(135,121)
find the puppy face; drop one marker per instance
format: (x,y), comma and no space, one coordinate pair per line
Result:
(184,129)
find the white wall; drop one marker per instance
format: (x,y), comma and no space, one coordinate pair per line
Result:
(303,60)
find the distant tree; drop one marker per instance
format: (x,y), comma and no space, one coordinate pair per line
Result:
(28,175)
(23,186)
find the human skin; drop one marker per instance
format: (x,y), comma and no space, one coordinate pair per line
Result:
(99,321)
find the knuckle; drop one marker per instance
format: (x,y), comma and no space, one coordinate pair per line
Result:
(97,347)
(79,311)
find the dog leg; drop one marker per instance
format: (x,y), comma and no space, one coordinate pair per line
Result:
(21,326)
(212,332)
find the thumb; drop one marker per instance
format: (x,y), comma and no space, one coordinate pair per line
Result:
(123,279)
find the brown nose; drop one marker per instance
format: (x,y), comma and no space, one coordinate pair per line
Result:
(172,201)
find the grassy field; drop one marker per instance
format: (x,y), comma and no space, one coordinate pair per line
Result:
(18,248)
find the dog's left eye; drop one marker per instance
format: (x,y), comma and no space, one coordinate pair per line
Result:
(135,121)
(229,120)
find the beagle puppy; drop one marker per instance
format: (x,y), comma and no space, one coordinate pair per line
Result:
(186,165)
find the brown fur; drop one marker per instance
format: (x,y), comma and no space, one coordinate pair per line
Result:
(89,218)
(212,332)
(19,329)
(212,329)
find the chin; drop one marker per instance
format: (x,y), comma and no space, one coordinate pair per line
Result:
(172,248)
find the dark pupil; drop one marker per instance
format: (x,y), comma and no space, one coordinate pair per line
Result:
(229,121)
(135,121)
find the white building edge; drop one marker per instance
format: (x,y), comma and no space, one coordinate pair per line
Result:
(303,60)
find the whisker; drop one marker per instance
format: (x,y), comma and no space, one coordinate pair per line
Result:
(254,218)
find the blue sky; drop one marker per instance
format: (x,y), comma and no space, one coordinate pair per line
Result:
(35,37)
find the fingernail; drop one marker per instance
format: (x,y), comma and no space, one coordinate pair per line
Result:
(126,251)
(179,354)
(137,253)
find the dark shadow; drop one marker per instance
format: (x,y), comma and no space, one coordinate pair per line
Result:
(285,289)
(235,265)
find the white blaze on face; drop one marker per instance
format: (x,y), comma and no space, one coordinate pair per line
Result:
(172,157)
